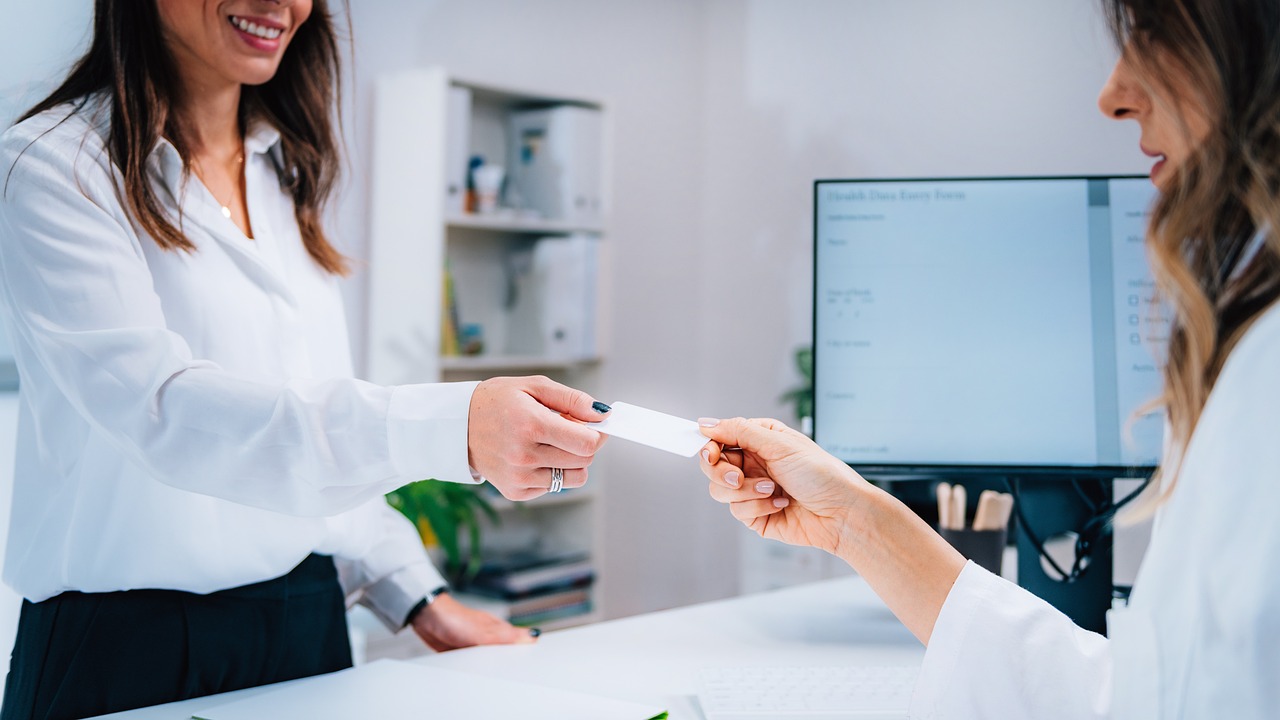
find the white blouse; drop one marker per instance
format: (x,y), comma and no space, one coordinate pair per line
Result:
(188,420)
(1201,635)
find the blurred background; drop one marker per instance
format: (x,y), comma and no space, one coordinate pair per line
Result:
(720,115)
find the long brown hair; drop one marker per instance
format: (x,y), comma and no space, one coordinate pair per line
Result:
(1223,59)
(128,63)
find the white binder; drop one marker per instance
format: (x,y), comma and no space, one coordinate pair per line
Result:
(554,164)
(553,302)
(457,149)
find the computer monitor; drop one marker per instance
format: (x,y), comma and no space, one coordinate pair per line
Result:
(994,326)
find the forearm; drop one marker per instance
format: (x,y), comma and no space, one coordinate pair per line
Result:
(908,565)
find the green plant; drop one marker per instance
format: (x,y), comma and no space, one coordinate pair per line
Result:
(444,513)
(802,395)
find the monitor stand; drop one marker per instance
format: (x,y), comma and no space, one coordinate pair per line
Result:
(1052,507)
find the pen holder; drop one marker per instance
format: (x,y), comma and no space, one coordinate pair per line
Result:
(984,547)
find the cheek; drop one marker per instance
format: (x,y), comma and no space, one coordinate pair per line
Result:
(301,10)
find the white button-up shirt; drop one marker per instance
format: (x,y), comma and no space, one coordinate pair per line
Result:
(188,420)
(1201,635)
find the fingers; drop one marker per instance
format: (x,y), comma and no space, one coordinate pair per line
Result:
(502,632)
(549,456)
(564,399)
(513,439)
(728,470)
(749,510)
(570,436)
(537,483)
(448,625)
(756,499)
(755,435)
(753,489)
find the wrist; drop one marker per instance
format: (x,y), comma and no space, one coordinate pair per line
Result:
(427,601)
(860,522)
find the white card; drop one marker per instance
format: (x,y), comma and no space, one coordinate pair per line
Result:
(652,428)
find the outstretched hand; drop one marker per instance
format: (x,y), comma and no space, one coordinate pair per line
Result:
(519,429)
(779,483)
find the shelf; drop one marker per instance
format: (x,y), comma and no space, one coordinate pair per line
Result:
(424,134)
(520,363)
(528,226)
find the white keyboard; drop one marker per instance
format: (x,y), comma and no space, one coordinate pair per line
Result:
(872,692)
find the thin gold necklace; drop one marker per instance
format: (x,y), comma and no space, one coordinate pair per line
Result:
(226,206)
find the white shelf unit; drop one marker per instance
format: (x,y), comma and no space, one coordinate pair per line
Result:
(414,235)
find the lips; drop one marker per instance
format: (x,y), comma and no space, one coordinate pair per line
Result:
(1160,162)
(257,28)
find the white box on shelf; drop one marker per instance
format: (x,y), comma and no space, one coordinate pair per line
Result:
(554,163)
(458,149)
(553,311)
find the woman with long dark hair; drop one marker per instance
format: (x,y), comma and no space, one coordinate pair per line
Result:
(1201,635)
(199,480)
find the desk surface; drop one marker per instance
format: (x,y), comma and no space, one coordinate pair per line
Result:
(656,658)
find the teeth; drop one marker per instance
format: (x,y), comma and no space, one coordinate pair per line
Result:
(262,31)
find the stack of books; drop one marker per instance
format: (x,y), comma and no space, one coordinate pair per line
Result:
(538,589)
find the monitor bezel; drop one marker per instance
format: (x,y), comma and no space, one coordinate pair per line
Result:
(937,471)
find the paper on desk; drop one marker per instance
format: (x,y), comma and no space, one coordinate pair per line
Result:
(391,690)
(652,428)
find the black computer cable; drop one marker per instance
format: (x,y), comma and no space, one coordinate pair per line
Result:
(1097,527)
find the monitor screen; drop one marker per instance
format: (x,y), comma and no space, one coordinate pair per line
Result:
(996,325)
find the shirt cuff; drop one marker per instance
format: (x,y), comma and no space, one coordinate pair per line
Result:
(391,598)
(427,431)
(947,642)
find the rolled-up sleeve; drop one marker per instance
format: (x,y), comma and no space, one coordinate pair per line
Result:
(997,651)
(382,563)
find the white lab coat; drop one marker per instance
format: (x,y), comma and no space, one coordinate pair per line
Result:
(1201,635)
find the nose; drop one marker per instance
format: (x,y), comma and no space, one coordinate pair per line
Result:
(1121,97)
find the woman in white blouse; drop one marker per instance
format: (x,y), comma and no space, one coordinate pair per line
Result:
(1201,635)
(199,480)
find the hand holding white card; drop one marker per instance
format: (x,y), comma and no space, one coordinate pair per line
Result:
(652,428)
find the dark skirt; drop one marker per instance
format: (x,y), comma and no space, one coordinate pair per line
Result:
(83,654)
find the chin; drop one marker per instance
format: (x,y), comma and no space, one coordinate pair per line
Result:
(257,75)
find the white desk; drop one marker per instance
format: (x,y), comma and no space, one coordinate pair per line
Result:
(657,658)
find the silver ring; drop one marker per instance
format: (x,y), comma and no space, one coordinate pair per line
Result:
(557,479)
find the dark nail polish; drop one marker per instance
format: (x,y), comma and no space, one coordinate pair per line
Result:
(600,407)
(535,632)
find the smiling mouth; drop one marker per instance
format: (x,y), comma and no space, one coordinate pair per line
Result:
(261,31)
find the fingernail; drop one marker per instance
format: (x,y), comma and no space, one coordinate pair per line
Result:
(781,502)
(600,407)
(708,422)
(733,478)
(706,455)
(535,632)
(764,487)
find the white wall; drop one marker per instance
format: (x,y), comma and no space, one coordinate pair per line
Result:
(797,91)
(38,42)
(724,111)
